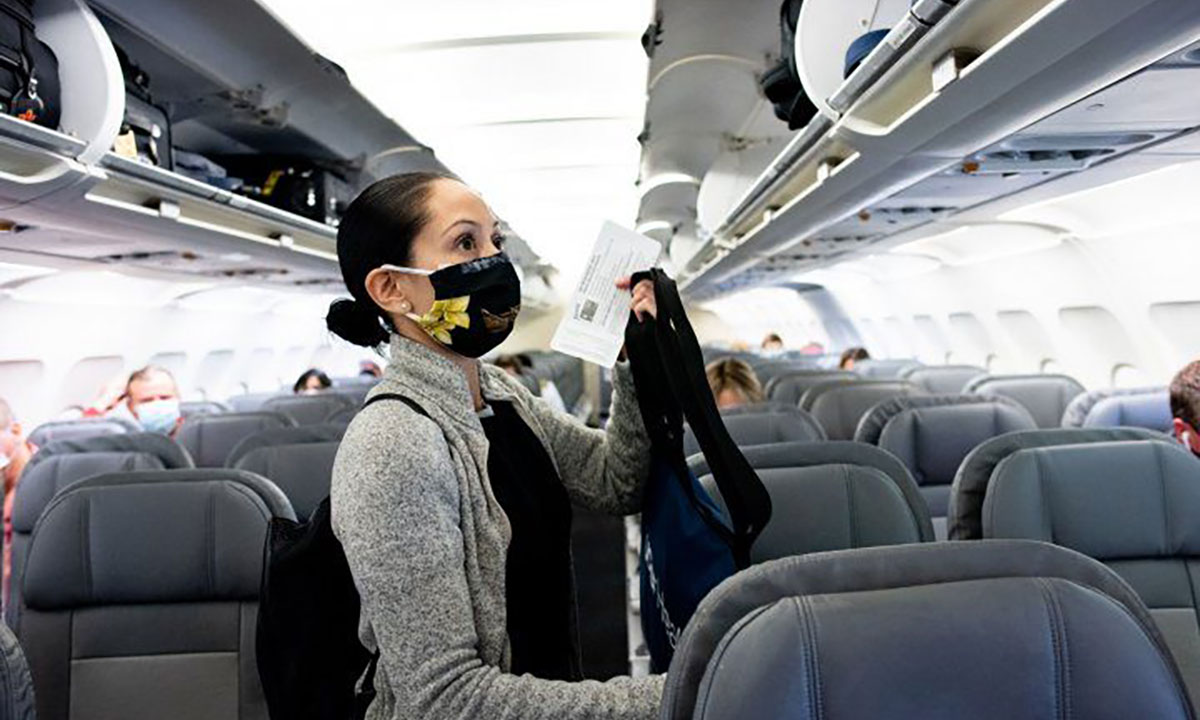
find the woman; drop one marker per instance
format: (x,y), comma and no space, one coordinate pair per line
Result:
(851,356)
(733,383)
(311,381)
(456,523)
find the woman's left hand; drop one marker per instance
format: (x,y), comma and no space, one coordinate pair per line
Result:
(643,298)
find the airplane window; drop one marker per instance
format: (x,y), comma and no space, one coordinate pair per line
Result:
(296,360)
(213,376)
(972,343)
(933,348)
(898,335)
(874,339)
(753,314)
(175,362)
(260,372)
(1098,342)
(1128,376)
(85,380)
(22,383)
(1050,366)
(1029,338)
(1178,324)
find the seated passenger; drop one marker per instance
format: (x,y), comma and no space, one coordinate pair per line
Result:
(312,381)
(468,594)
(733,383)
(852,356)
(813,348)
(772,343)
(369,368)
(1185,406)
(152,400)
(15,454)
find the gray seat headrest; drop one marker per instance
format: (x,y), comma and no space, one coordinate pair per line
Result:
(1078,409)
(40,483)
(139,538)
(250,402)
(816,454)
(303,471)
(789,387)
(971,482)
(301,435)
(884,369)
(763,428)
(1109,501)
(210,438)
(831,507)
(757,408)
(839,406)
(1046,397)
(942,379)
(191,408)
(170,453)
(870,428)
(54,431)
(1145,410)
(308,409)
(876,610)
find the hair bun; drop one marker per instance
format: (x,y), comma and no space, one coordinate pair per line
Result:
(355,323)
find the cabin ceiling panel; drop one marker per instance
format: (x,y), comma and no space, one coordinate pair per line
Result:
(747,28)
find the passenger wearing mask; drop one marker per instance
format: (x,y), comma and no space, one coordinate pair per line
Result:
(152,398)
(852,356)
(456,522)
(1185,406)
(368,368)
(312,381)
(772,343)
(15,454)
(733,383)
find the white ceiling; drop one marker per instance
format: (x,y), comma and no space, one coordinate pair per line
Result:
(537,103)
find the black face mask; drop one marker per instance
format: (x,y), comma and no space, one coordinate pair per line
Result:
(475,304)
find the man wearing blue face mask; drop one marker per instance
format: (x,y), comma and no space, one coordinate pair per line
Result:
(152,397)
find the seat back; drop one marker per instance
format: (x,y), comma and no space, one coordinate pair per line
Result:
(56,430)
(767,372)
(308,409)
(299,460)
(142,594)
(1046,397)
(790,387)
(250,402)
(965,512)
(1078,409)
(831,507)
(839,406)
(63,463)
(884,369)
(942,379)
(757,408)
(1134,506)
(17,697)
(932,435)
(853,468)
(192,408)
(1146,410)
(989,631)
(210,438)
(763,428)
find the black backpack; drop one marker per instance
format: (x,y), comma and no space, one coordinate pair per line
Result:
(781,82)
(29,83)
(309,655)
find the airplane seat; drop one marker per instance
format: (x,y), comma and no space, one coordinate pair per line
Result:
(817,508)
(1077,411)
(308,409)
(884,369)
(767,372)
(865,462)
(967,493)
(942,379)
(60,465)
(989,631)
(142,596)
(192,408)
(56,430)
(356,394)
(763,429)
(1135,506)
(790,387)
(756,408)
(16,684)
(932,435)
(342,416)
(298,460)
(1046,397)
(210,438)
(1148,410)
(252,402)
(839,405)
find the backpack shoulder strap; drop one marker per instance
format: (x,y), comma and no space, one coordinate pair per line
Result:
(393,396)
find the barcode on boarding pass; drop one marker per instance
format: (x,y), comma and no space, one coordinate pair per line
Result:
(587,310)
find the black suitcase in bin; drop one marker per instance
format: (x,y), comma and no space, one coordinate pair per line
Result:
(145,133)
(29,83)
(305,187)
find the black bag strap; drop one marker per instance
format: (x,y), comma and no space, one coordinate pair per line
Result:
(677,348)
(393,396)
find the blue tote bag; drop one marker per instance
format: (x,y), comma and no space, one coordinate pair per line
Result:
(688,544)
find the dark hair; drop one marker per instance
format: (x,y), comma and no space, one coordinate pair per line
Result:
(377,229)
(855,354)
(302,381)
(1185,395)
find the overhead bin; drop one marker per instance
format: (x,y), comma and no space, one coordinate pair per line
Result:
(848,182)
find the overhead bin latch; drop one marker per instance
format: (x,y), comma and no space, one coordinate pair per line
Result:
(949,67)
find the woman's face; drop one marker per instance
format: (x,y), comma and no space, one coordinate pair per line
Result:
(460,228)
(730,398)
(313,384)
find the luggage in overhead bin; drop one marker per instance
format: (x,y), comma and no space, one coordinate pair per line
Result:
(145,134)
(309,188)
(781,83)
(29,84)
